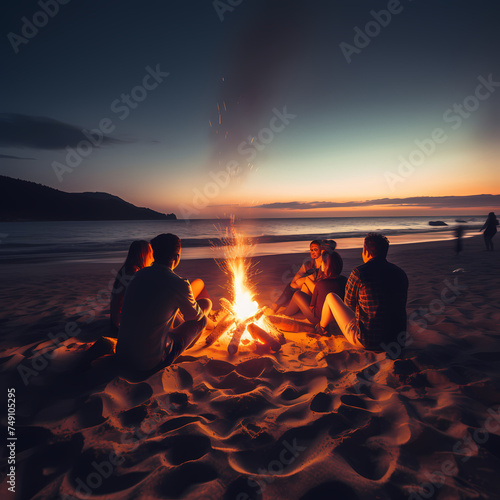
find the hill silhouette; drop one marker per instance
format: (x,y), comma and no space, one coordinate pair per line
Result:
(28,201)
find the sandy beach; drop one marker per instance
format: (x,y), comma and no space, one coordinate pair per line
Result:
(319,419)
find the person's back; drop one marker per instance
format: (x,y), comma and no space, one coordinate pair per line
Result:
(377,292)
(323,288)
(147,336)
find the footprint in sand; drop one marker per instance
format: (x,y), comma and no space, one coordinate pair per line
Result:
(321,403)
(133,417)
(368,461)
(185,448)
(98,473)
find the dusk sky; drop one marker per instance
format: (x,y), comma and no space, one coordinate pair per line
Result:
(257,108)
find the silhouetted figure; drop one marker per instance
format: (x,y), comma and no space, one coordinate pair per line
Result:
(490,229)
(459,232)
(148,338)
(139,255)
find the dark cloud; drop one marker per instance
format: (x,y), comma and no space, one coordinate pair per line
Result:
(480,200)
(11,157)
(38,132)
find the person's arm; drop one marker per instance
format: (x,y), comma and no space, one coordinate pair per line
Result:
(351,290)
(188,306)
(298,279)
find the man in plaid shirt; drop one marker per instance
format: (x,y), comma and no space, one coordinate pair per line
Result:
(374,312)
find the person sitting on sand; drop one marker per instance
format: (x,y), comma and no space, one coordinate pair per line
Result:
(308,269)
(490,229)
(148,338)
(140,254)
(374,311)
(329,280)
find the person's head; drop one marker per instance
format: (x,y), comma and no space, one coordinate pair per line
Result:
(167,249)
(139,255)
(328,245)
(315,249)
(491,215)
(331,264)
(375,245)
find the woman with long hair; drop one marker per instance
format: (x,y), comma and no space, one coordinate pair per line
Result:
(139,255)
(329,280)
(490,229)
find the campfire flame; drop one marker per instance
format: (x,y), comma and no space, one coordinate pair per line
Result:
(242,314)
(237,264)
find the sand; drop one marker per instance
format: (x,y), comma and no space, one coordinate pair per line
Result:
(319,419)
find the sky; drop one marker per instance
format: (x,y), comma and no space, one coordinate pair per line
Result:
(256,108)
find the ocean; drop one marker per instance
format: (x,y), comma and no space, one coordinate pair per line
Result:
(108,241)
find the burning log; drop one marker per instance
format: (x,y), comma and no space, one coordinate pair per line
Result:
(235,341)
(278,334)
(232,348)
(226,305)
(258,333)
(224,324)
(291,325)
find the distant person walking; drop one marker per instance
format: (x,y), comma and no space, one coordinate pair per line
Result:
(490,229)
(459,232)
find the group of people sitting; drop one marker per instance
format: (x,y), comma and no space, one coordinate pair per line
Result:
(157,314)
(369,308)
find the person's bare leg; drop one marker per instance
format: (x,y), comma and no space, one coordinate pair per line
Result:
(292,308)
(206,307)
(199,290)
(304,301)
(334,308)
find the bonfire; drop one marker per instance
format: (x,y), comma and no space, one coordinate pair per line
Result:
(241,318)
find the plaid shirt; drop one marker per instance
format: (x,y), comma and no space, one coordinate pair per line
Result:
(377,293)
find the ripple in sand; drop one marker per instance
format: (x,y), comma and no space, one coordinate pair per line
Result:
(126,395)
(186,448)
(234,408)
(218,368)
(255,367)
(368,461)
(291,393)
(237,383)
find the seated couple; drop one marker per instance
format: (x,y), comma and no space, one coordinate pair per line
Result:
(162,314)
(373,311)
(307,274)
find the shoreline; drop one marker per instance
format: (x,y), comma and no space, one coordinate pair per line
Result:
(210,252)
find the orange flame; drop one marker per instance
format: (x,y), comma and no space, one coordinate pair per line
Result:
(237,264)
